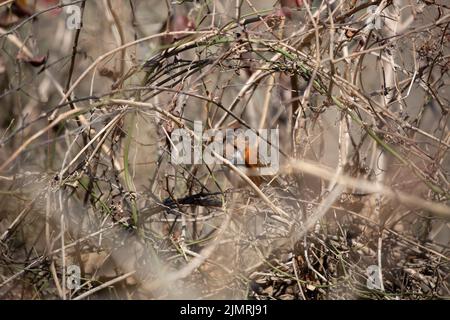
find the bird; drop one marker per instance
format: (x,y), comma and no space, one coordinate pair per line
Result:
(287,6)
(246,156)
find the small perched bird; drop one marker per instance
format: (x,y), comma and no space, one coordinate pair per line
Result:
(177,21)
(246,157)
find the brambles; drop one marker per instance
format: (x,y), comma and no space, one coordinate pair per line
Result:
(357,209)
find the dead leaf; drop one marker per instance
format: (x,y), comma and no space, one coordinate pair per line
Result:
(93,261)
(34,61)
(108,73)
